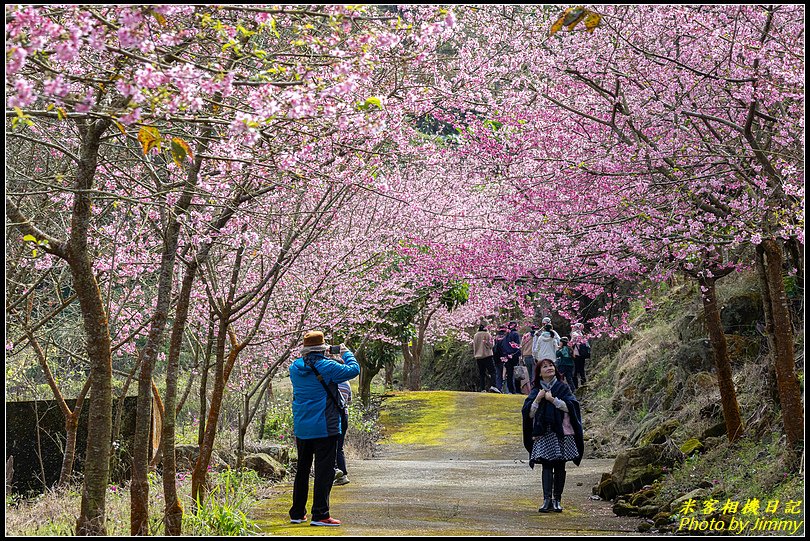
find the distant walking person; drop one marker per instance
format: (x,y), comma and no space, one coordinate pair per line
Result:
(512,349)
(526,343)
(317,423)
(552,431)
(582,352)
(482,352)
(565,362)
(546,342)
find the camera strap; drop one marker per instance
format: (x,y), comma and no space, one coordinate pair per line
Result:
(318,375)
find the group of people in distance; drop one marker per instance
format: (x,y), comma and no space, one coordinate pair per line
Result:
(498,357)
(552,421)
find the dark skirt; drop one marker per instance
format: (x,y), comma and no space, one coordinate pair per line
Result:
(552,448)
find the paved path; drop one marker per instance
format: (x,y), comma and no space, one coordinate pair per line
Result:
(453,464)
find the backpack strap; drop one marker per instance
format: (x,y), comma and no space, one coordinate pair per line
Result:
(318,375)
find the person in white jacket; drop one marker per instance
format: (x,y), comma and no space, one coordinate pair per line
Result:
(546,343)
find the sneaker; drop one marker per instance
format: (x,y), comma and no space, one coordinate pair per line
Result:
(298,520)
(329,521)
(495,389)
(338,474)
(342,480)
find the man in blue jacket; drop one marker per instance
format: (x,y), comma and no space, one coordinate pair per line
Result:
(317,423)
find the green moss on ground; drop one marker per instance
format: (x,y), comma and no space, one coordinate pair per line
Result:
(430,418)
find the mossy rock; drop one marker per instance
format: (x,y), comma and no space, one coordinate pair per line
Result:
(701,381)
(691,446)
(694,356)
(606,489)
(660,433)
(643,497)
(645,527)
(741,348)
(265,465)
(279,452)
(647,425)
(640,466)
(185,456)
(740,314)
(623,509)
(690,327)
(664,517)
(648,511)
(713,442)
(699,494)
(713,431)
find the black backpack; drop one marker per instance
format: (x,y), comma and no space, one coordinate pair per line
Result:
(584,350)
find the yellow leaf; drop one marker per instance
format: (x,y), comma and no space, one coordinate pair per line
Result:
(556,26)
(160,18)
(149,137)
(180,150)
(592,21)
(120,127)
(61,113)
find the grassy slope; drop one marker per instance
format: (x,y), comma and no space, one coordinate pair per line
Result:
(636,385)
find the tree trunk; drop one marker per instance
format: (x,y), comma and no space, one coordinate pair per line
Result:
(407,364)
(209,346)
(92,517)
(173,510)
(366,375)
(784,360)
(243,423)
(728,395)
(71,428)
(389,375)
(200,472)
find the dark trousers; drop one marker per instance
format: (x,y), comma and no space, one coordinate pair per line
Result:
(340,458)
(486,371)
(568,372)
(323,450)
(510,373)
(579,371)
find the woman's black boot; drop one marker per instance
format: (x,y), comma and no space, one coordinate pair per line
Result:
(548,490)
(559,485)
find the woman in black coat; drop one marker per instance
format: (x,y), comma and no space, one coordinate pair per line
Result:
(552,431)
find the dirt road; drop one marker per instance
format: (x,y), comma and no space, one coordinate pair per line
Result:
(453,464)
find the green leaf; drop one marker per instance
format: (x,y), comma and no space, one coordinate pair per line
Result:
(29,238)
(180,150)
(373,101)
